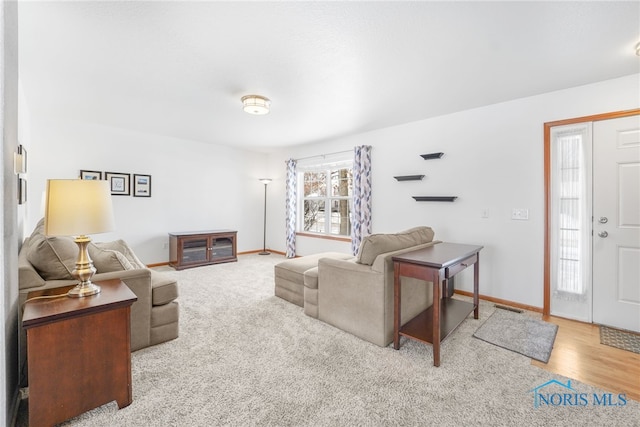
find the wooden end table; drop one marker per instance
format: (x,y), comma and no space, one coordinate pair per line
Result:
(78,351)
(436,263)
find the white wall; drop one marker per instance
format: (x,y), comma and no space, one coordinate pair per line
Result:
(493,160)
(195,186)
(11,236)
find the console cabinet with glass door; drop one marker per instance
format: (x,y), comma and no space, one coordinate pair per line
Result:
(196,248)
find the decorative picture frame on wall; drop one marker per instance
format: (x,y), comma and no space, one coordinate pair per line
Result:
(92,175)
(141,185)
(22,191)
(120,183)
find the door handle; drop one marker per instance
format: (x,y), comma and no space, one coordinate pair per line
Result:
(603,220)
(603,234)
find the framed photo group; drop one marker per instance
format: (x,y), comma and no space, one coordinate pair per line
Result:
(121,183)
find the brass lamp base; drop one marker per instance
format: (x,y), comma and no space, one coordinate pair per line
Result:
(84,271)
(84,290)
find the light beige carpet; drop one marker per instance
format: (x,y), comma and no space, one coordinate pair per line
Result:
(248,358)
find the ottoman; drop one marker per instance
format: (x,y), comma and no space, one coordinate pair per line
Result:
(289,275)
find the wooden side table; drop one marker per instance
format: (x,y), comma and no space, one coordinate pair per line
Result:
(436,264)
(78,351)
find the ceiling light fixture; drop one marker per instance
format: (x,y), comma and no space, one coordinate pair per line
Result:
(256,104)
(638,49)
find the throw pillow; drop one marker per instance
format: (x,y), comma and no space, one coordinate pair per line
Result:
(376,244)
(54,258)
(105,260)
(122,247)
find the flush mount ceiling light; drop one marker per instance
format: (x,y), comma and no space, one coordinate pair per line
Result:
(256,104)
(638,49)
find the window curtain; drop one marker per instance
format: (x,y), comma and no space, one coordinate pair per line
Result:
(571,221)
(291,209)
(361,214)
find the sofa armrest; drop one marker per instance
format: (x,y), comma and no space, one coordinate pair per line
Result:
(358,298)
(351,298)
(139,281)
(28,277)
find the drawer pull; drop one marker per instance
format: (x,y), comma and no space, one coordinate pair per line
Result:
(464,265)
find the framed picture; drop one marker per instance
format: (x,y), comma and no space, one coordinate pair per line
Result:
(141,185)
(22,191)
(97,175)
(119,183)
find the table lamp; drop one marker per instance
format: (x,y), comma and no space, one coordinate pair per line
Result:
(76,207)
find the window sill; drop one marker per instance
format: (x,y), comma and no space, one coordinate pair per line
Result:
(324,236)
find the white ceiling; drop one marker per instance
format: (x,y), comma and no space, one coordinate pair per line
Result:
(330,68)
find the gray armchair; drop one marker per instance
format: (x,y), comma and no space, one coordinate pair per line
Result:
(47,262)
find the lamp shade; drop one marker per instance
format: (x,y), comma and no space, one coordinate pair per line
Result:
(77,207)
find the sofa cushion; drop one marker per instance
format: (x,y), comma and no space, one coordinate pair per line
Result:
(376,244)
(54,258)
(105,260)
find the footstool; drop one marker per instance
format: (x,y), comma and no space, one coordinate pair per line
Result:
(289,275)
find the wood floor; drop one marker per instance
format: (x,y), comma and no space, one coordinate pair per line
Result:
(578,354)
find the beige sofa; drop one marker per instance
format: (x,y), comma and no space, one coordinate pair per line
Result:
(47,262)
(355,294)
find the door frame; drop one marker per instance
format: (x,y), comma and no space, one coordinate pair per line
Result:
(546,308)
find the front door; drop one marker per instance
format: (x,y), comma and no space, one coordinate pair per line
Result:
(616,223)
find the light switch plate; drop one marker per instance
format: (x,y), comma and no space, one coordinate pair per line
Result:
(521,214)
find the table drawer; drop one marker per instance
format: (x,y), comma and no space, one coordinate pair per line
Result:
(455,269)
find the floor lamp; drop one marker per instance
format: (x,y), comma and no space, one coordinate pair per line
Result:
(265,181)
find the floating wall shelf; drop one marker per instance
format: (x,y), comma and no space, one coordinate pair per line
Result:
(409,177)
(431,156)
(434,198)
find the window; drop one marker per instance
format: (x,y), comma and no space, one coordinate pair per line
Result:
(570,221)
(326,198)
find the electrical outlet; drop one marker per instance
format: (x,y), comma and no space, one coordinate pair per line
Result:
(484,213)
(521,214)
(165,245)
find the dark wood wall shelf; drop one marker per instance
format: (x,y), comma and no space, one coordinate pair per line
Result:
(431,156)
(409,177)
(434,198)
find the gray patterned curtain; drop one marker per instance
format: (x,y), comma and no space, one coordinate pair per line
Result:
(361,215)
(291,210)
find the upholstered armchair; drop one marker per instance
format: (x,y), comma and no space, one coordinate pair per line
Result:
(47,262)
